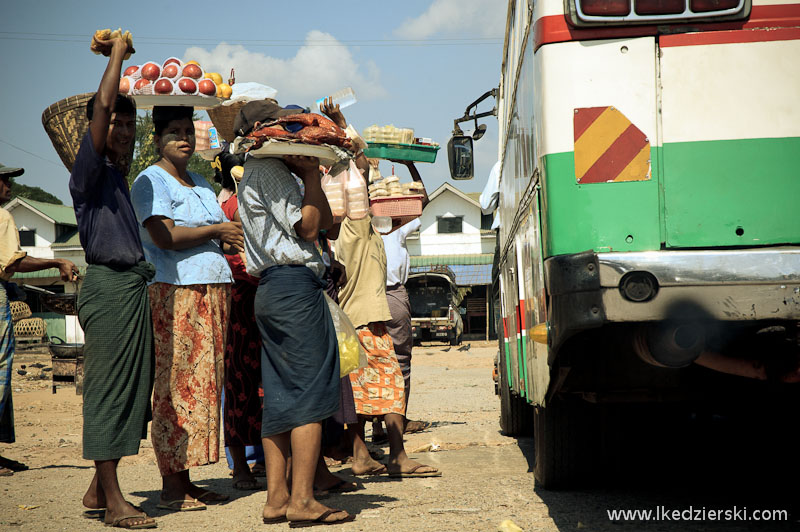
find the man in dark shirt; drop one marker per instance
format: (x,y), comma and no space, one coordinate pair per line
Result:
(113,306)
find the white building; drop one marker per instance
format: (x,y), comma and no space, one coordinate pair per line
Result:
(48,231)
(455,234)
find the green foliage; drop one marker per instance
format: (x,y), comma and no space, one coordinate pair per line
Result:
(32,193)
(145,153)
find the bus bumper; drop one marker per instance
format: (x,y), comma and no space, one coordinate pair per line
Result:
(590,289)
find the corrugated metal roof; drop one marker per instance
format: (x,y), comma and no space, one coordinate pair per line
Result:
(62,214)
(465,274)
(69,240)
(433,260)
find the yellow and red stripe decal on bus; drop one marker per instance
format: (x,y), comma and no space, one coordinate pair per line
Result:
(608,147)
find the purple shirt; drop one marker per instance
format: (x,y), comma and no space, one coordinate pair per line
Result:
(106,222)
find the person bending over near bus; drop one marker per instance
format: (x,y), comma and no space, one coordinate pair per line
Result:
(299,356)
(379,388)
(13,260)
(113,306)
(398,263)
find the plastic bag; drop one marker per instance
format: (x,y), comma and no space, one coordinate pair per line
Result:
(356,193)
(333,187)
(351,355)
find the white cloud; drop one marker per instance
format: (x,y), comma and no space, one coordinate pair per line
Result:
(482,18)
(321,66)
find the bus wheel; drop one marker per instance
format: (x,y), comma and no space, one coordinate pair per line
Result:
(516,415)
(563,443)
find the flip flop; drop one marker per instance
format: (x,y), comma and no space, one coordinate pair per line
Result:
(100,513)
(414,474)
(246,484)
(274,520)
(6,472)
(210,497)
(180,505)
(303,523)
(118,522)
(258,470)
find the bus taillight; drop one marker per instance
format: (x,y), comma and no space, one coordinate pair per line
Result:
(659,7)
(701,6)
(605,8)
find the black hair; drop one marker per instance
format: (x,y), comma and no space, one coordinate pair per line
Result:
(122,104)
(163,115)
(227,161)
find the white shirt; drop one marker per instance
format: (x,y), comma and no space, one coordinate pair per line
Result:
(490,196)
(397,260)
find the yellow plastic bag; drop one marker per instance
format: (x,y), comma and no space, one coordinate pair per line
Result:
(351,355)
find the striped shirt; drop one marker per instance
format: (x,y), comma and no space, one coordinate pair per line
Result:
(269,205)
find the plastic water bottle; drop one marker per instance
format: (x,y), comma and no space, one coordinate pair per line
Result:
(345,98)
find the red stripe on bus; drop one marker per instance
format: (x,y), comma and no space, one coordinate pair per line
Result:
(555,28)
(728,37)
(616,157)
(584,118)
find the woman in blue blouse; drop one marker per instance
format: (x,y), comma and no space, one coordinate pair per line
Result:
(184,232)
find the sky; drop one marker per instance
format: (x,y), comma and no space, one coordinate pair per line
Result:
(414,64)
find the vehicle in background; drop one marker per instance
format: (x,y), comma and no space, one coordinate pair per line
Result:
(434,299)
(648,213)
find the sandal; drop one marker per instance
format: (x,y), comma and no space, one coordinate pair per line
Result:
(119,522)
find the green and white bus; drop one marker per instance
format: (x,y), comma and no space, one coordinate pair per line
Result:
(649,204)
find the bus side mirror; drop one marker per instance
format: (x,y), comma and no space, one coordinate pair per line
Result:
(459,155)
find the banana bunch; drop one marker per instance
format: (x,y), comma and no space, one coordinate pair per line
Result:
(106,34)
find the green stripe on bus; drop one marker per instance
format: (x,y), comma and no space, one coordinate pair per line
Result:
(715,194)
(732,192)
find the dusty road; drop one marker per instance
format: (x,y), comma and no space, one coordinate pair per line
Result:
(486,476)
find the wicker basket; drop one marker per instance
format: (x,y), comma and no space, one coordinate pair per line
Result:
(19,310)
(398,207)
(66,123)
(223,117)
(30,328)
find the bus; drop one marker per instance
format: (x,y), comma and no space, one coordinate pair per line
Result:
(649,209)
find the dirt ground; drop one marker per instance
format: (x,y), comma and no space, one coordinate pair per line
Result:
(487,477)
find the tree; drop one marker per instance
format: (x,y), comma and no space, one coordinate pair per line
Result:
(145,153)
(32,193)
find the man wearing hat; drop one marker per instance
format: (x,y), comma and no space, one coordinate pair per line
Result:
(12,260)
(299,356)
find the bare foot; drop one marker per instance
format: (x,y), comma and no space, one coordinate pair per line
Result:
(95,497)
(275,507)
(368,467)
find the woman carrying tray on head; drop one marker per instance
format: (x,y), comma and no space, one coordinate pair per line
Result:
(184,232)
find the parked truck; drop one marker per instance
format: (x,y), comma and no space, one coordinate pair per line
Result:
(434,299)
(648,210)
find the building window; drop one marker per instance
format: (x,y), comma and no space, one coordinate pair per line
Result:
(450,224)
(27,237)
(486,221)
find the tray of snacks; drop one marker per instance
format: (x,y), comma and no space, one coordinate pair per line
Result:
(277,148)
(402,152)
(389,197)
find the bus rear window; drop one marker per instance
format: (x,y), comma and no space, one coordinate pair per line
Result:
(604,12)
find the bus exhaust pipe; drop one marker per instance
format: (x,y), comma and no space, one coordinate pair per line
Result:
(670,344)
